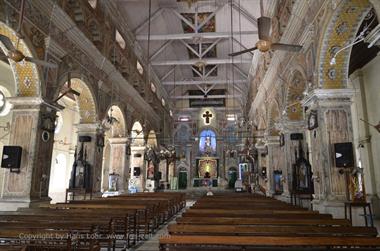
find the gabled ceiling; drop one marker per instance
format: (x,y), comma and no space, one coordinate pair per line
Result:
(189,46)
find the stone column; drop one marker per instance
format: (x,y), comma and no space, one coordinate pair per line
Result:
(137,160)
(94,153)
(333,107)
(31,118)
(118,161)
(272,143)
(288,127)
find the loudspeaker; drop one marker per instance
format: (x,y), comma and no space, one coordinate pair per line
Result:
(11,157)
(296,136)
(344,156)
(136,171)
(84,138)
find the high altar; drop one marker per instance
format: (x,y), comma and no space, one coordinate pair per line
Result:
(208,171)
(207,162)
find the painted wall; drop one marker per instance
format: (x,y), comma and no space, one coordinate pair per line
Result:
(371,77)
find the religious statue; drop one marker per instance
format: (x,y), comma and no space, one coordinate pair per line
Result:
(207,148)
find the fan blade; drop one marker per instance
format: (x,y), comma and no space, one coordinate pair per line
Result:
(242,52)
(40,62)
(7,43)
(286,47)
(263,26)
(3,57)
(72,91)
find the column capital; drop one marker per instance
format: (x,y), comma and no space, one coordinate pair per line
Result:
(288,126)
(272,140)
(330,97)
(87,128)
(28,103)
(118,141)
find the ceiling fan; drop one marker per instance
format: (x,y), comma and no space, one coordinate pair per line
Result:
(69,89)
(14,53)
(265,44)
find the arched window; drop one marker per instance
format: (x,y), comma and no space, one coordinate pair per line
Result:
(207,142)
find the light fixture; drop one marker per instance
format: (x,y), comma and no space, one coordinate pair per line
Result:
(184,118)
(230,117)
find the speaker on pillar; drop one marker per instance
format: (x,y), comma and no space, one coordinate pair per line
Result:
(12,158)
(344,156)
(136,171)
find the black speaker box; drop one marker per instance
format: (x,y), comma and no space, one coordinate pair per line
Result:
(344,156)
(84,138)
(136,171)
(11,157)
(296,136)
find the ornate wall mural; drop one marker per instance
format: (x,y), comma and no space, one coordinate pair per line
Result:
(86,102)
(25,73)
(342,28)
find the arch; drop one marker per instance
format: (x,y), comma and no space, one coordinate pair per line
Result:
(343,26)
(25,74)
(296,87)
(137,134)
(118,129)
(152,139)
(86,101)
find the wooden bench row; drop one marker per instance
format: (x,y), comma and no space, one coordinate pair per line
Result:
(88,225)
(241,222)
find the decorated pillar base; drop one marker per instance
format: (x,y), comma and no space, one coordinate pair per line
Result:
(329,206)
(94,153)
(118,162)
(272,142)
(137,178)
(32,128)
(291,147)
(329,122)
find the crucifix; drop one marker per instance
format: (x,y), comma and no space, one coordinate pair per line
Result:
(207,115)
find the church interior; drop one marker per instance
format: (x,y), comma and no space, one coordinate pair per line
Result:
(189,125)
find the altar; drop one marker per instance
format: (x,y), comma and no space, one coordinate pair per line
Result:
(207,167)
(207,170)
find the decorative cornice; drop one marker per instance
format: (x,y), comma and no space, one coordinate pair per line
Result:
(328,94)
(87,128)
(118,141)
(33,101)
(288,126)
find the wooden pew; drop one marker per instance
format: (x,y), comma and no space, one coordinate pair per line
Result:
(261,221)
(244,230)
(245,222)
(184,243)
